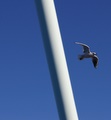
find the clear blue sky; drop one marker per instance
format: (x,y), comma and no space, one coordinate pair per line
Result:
(25,86)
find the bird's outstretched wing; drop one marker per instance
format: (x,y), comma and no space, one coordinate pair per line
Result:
(86,48)
(95,61)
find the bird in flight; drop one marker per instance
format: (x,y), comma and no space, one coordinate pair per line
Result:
(88,54)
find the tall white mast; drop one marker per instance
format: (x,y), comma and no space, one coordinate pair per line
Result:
(56,60)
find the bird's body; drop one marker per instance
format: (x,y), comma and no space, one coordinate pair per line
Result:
(88,54)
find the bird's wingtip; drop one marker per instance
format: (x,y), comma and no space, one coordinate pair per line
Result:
(95,67)
(76,42)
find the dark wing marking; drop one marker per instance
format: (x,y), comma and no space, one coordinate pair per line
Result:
(95,61)
(86,48)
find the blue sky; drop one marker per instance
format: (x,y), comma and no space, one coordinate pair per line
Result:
(25,85)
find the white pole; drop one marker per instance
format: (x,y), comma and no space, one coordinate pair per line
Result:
(56,60)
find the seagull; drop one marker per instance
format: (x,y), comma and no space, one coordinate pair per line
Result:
(88,54)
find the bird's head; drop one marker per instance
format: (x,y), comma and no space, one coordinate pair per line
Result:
(94,53)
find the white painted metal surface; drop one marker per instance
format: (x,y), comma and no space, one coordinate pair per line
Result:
(56,60)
